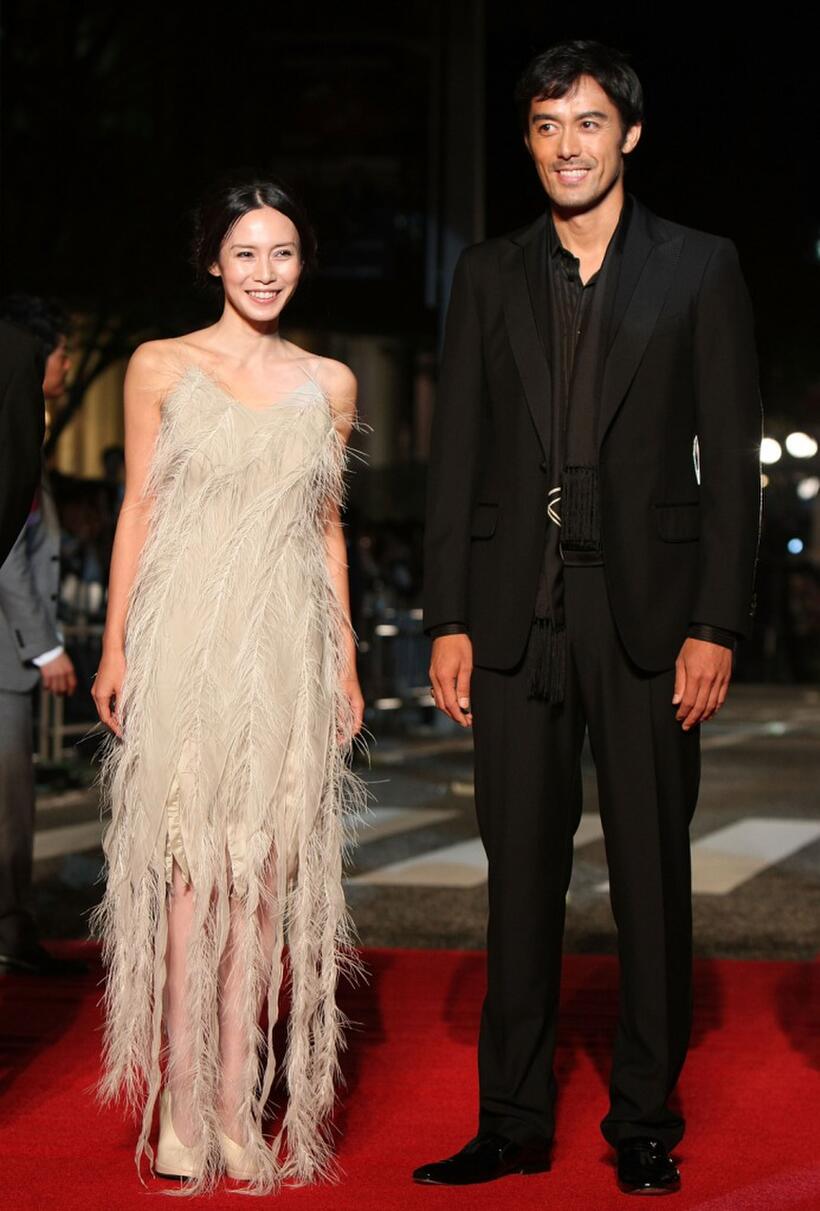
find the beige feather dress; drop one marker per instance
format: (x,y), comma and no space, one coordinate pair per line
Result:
(236,747)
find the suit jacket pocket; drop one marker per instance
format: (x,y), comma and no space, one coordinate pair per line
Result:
(482,524)
(678,521)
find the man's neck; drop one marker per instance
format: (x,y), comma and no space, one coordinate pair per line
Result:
(587,234)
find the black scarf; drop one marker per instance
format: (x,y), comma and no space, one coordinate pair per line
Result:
(573,494)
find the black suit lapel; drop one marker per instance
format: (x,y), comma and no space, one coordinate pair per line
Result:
(526,308)
(647,267)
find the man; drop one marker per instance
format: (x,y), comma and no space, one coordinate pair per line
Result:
(31,651)
(592,528)
(21,429)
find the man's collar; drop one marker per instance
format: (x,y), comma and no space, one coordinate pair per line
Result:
(556,248)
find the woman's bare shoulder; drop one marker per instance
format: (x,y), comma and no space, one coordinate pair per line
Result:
(155,366)
(339,383)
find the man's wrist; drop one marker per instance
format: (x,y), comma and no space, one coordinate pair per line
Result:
(713,634)
(47,657)
(446,628)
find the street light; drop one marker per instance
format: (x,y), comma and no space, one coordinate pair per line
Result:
(801,445)
(809,487)
(770,450)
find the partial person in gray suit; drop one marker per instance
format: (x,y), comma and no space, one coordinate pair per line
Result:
(31,653)
(22,426)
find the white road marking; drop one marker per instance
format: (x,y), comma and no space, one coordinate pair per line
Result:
(388,821)
(738,733)
(71,839)
(727,858)
(380,822)
(589,830)
(463,864)
(723,860)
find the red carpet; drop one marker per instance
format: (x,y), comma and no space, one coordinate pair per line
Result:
(750,1091)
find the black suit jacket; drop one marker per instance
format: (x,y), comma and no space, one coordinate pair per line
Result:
(22,425)
(680,363)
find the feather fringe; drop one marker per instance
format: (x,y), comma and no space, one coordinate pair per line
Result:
(233,689)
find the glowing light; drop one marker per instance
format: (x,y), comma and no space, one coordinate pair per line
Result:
(808,488)
(795,545)
(770,450)
(801,445)
(764,480)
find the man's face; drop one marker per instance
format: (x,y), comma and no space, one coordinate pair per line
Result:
(577,144)
(58,364)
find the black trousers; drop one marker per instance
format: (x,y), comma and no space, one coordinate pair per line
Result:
(528,801)
(17,925)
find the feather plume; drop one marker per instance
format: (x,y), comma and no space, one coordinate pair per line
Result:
(236,759)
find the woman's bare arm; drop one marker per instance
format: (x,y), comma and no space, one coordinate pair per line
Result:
(341,387)
(146,380)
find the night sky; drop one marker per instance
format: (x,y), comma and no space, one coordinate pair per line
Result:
(116,116)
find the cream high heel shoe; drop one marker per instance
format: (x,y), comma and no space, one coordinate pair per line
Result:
(174,1159)
(238,1163)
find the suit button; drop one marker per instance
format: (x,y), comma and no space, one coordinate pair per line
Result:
(53,596)
(543,465)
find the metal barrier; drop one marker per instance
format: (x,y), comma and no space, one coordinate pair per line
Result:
(83,642)
(394,656)
(394,659)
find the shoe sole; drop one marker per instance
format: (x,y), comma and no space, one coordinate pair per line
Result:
(672,1188)
(482,1181)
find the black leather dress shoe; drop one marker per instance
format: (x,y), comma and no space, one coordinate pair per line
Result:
(35,960)
(485,1158)
(645,1167)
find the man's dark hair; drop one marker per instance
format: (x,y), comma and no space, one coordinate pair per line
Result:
(44,319)
(227,201)
(555,71)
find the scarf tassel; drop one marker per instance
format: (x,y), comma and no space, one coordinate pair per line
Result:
(580,518)
(548,660)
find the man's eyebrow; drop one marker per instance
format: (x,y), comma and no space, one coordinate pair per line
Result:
(588,113)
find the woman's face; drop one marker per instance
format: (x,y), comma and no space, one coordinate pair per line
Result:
(260,264)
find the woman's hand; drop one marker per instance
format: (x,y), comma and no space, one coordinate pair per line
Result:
(352,690)
(107,686)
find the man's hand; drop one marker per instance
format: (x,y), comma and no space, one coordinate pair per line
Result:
(58,676)
(702,674)
(450,667)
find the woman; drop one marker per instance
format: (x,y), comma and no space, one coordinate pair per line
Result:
(228,682)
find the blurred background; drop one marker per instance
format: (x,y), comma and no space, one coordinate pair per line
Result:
(396,125)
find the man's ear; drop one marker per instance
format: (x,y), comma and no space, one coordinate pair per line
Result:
(631,138)
(528,145)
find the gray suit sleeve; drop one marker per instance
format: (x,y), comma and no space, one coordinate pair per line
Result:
(23,606)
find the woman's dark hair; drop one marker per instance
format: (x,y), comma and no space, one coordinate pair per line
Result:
(44,319)
(555,71)
(227,201)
